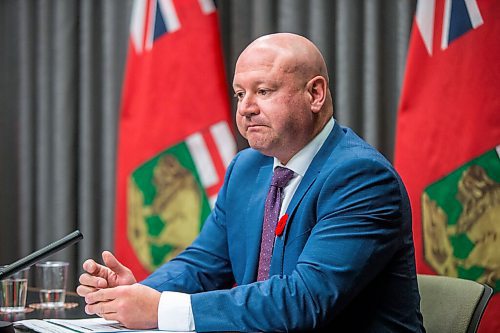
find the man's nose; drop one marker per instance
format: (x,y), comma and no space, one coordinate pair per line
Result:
(247,106)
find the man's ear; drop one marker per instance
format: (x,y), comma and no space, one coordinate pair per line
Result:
(317,89)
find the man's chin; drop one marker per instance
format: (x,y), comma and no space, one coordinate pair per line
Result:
(261,147)
(257,145)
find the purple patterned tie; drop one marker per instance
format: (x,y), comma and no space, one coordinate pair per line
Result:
(281,177)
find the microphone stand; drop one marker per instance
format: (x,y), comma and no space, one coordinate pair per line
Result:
(33,258)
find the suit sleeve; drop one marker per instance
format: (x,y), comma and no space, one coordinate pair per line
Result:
(357,230)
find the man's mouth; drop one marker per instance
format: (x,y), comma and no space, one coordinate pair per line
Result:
(254,125)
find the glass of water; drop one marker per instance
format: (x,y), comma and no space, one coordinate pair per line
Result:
(51,279)
(13,291)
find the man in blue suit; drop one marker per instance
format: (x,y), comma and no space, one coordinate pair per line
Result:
(340,257)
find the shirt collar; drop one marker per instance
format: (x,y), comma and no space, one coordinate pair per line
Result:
(301,161)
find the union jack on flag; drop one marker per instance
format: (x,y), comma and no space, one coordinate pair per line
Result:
(459,16)
(152,19)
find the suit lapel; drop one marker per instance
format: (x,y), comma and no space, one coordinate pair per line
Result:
(310,176)
(315,167)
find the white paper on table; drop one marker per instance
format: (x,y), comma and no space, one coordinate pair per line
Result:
(96,325)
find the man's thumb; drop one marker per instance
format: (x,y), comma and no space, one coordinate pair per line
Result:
(112,263)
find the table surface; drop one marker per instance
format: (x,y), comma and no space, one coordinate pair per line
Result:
(32,298)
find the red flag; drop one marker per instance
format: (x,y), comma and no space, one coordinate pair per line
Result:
(447,143)
(174,136)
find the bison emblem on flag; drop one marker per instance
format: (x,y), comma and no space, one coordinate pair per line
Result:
(170,196)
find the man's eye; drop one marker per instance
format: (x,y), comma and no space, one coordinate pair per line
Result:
(239,95)
(262,92)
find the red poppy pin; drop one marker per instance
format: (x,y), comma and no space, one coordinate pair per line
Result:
(281,225)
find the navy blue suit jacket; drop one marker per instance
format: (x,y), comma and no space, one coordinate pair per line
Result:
(344,262)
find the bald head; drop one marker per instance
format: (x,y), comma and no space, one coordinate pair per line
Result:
(299,55)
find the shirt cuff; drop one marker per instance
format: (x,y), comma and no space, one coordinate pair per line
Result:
(175,312)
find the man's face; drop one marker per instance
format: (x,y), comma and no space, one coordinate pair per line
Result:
(273,111)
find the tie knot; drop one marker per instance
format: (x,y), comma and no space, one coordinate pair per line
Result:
(281,176)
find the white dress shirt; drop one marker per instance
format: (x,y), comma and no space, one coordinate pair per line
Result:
(174,311)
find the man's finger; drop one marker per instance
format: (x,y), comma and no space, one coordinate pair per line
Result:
(109,316)
(96,308)
(84,290)
(113,263)
(91,309)
(100,308)
(95,269)
(92,281)
(101,295)
(89,266)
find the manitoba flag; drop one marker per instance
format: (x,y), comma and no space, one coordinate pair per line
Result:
(448,142)
(174,135)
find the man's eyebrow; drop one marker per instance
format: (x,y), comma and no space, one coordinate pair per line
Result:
(257,83)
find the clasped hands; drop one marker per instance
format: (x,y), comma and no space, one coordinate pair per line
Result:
(111,292)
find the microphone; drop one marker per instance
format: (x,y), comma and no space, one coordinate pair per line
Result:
(36,256)
(33,258)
